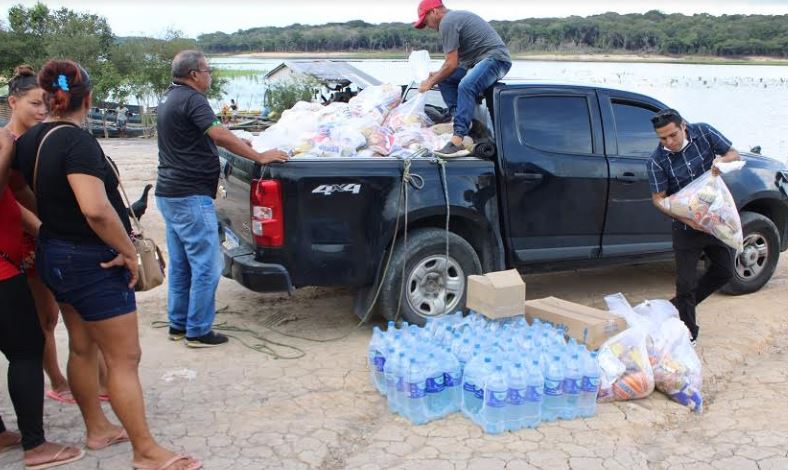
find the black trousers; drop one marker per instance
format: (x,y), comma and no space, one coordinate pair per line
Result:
(22,343)
(688,244)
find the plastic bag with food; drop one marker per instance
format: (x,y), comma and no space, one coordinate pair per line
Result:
(708,202)
(376,101)
(626,370)
(381,140)
(677,368)
(409,114)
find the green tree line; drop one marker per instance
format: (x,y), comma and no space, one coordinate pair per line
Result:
(119,67)
(652,32)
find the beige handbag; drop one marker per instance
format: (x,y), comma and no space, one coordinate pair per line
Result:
(150,261)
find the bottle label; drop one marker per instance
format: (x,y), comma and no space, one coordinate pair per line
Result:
(379,362)
(469,387)
(572,386)
(496,399)
(552,387)
(452,380)
(479,393)
(516,396)
(591,384)
(435,384)
(534,393)
(415,391)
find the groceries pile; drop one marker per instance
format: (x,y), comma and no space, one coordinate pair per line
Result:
(708,202)
(374,123)
(504,375)
(655,351)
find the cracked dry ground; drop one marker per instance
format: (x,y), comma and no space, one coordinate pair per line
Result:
(241,409)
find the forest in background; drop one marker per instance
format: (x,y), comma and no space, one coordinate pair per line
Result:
(654,32)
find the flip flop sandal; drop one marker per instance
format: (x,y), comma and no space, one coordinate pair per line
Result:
(63,397)
(103,397)
(12,445)
(56,461)
(194,466)
(121,437)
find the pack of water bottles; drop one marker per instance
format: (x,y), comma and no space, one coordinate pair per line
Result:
(504,375)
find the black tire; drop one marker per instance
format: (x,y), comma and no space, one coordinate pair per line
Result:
(427,250)
(757,262)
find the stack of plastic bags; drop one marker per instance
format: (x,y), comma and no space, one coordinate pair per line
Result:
(373,123)
(708,202)
(655,351)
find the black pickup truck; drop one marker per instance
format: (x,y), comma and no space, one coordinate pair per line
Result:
(567,188)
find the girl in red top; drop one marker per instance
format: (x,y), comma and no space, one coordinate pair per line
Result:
(21,337)
(26,100)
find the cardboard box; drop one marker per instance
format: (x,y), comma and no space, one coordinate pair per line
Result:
(496,295)
(585,324)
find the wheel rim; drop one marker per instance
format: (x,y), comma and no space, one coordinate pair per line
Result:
(433,287)
(754,256)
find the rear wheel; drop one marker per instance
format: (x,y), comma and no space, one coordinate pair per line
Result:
(432,284)
(756,263)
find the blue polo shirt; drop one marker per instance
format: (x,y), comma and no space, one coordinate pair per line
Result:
(671,171)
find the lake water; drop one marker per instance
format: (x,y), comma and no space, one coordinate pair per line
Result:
(747,103)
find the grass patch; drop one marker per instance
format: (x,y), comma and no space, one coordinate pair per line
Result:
(232,73)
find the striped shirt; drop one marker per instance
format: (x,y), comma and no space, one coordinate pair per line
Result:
(669,171)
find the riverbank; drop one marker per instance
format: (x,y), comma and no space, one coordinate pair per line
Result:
(535,56)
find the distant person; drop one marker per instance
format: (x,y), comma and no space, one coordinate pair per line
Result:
(122,113)
(86,258)
(225,113)
(685,152)
(233,110)
(188,133)
(476,57)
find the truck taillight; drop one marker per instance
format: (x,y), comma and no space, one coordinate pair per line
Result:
(268,225)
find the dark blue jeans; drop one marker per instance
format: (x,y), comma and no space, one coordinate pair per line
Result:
(461,88)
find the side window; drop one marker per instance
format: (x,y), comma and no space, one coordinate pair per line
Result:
(635,134)
(555,123)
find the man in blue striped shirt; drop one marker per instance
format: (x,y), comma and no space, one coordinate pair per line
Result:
(686,151)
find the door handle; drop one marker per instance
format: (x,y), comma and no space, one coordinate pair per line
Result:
(528,175)
(628,178)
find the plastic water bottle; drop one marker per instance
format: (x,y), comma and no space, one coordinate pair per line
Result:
(590,388)
(553,402)
(493,413)
(516,397)
(534,395)
(435,399)
(452,382)
(395,380)
(415,406)
(472,383)
(376,360)
(573,383)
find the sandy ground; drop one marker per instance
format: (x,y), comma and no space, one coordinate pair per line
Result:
(238,408)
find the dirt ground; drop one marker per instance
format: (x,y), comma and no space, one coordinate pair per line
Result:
(239,407)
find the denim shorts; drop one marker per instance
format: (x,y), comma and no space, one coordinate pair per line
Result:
(73,273)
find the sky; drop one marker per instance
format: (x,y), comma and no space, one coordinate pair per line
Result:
(195,17)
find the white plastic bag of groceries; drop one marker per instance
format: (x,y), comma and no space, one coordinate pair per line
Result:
(375,101)
(409,114)
(419,62)
(708,202)
(626,370)
(675,364)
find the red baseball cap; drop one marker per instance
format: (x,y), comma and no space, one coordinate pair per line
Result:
(425,7)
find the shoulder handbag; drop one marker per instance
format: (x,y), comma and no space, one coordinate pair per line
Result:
(150,261)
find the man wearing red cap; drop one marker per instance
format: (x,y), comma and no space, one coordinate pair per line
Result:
(476,57)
